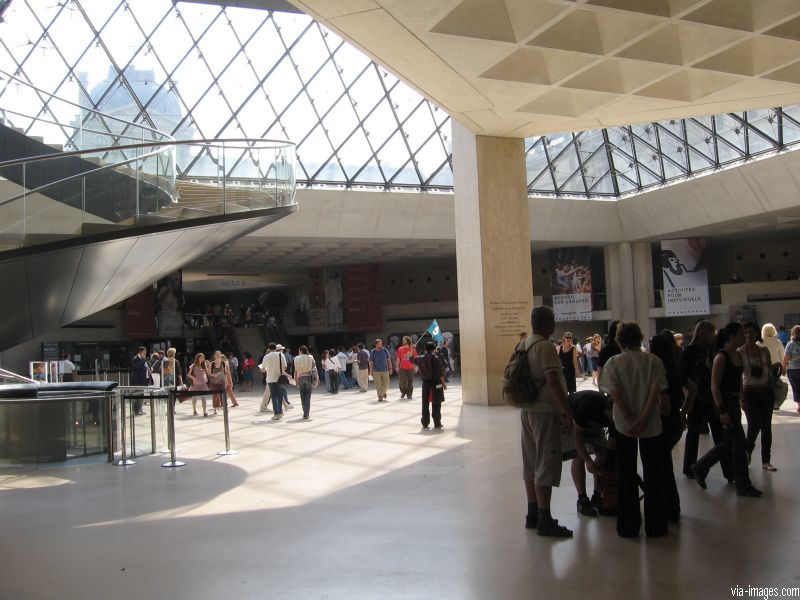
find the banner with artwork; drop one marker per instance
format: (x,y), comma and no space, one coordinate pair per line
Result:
(685,277)
(571,283)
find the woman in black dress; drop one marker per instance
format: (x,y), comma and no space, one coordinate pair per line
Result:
(726,388)
(569,361)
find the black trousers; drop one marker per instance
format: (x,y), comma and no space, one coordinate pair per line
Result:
(703,413)
(629,516)
(758,409)
(732,447)
(428,406)
(672,431)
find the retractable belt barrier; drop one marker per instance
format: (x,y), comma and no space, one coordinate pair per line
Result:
(132,393)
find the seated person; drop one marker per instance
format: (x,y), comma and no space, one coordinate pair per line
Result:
(591,411)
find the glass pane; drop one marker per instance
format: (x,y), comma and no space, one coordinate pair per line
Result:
(218,45)
(371,173)
(393,155)
(444,178)
(536,160)
(355,153)
(244,22)
(791,129)
(766,121)
(367,92)
(419,126)
(122,37)
(574,185)
(699,162)
(380,124)
(543,183)
(192,82)
(407,175)
(340,122)
(431,157)
(700,139)
(238,81)
(171,42)
(730,130)
(604,186)
(282,85)
(565,165)
(315,151)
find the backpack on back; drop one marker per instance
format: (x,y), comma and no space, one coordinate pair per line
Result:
(519,389)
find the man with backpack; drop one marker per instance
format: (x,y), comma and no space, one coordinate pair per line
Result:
(543,423)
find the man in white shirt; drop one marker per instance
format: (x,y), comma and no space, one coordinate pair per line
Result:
(273,366)
(68,369)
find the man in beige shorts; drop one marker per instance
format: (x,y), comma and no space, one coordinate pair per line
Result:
(543,425)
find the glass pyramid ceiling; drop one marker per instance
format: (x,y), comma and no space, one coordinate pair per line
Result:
(203,71)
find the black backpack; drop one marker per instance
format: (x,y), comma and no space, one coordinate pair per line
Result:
(519,389)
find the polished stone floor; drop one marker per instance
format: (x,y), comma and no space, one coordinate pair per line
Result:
(360,502)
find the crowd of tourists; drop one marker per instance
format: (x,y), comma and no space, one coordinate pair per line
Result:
(649,394)
(280,370)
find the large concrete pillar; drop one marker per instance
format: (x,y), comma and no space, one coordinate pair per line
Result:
(629,280)
(493,253)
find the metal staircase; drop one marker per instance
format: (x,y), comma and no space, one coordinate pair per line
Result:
(84,228)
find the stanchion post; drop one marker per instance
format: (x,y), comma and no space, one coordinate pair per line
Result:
(227,451)
(124,461)
(109,401)
(152,425)
(173,462)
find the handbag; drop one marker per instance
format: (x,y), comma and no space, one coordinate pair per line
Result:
(283,380)
(314,376)
(780,389)
(182,396)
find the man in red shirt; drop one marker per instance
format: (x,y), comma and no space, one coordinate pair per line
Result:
(406,367)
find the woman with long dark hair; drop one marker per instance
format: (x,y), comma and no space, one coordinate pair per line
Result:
(671,424)
(198,374)
(726,389)
(695,364)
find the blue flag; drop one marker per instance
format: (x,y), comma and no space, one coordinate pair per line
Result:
(435,332)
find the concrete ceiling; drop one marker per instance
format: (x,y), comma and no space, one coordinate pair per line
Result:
(517,68)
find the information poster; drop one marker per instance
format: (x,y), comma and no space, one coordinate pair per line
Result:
(571,283)
(685,277)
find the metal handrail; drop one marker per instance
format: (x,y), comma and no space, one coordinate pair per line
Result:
(5,111)
(11,375)
(210,142)
(18,161)
(92,110)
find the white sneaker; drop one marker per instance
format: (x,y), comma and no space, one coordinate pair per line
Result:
(769,467)
(277,417)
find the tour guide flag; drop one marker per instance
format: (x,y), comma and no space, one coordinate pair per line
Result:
(435,332)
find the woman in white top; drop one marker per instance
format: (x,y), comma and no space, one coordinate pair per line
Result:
(332,368)
(304,374)
(757,398)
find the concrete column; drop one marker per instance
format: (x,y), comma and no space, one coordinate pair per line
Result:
(493,253)
(643,287)
(629,280)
